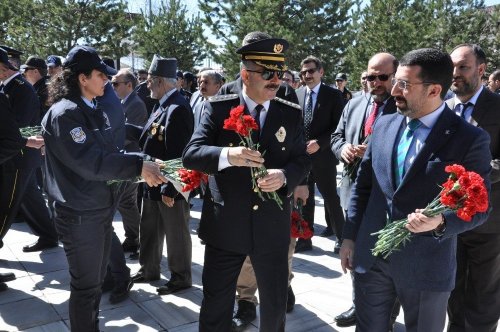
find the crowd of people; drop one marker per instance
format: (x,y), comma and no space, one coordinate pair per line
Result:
(101,129)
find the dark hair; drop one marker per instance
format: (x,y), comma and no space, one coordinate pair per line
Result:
(310,59)
(65,85)
(435,66)
(496,75)
(476,49)
(142,71)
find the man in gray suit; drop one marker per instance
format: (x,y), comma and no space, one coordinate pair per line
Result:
(349,141)
(124,83)
(474,304)
(210,83)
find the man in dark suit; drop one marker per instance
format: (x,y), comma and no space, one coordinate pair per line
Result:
(124,83)
(400,174)
(210,83)
(350,139)
(235,222)
(20,170)
(322,107)
(165,213)
(474,304)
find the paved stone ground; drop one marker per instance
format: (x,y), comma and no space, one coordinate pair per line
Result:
(38,299)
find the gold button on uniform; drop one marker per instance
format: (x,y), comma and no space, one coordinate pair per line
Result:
(255,207)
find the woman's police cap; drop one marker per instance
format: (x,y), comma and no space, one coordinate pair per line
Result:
(4,58)
(267,53)
(85,58)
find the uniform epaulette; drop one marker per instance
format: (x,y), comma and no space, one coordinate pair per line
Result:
(289,103)
(222,97)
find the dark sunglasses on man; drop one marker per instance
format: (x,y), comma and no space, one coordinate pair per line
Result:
(382,77)
(309,71)
(268,74)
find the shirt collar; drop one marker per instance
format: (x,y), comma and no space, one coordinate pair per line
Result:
(430,119)
(473,99)
(89,103)
(11,78)
(251,104)
(315,89)
(166,95)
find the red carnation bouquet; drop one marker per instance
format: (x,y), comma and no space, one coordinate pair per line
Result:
(463,193)
(244,125)
(184,180)
(299,227)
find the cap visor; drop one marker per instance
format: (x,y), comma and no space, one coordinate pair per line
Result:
(110,71)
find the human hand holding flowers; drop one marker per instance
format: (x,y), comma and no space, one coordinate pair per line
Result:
(273,181)
(244,157)
(419,222)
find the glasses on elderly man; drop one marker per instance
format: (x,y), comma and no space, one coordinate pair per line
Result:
(268,74)
(404,85)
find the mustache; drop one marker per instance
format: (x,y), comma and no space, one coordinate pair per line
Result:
(399,98)
(272,86)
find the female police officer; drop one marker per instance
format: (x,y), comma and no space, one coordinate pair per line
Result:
(80,158)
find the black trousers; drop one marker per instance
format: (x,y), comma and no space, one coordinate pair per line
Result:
(129,211)
(326,181)
(220,273)
(20,190)
(474,304)
(87,240)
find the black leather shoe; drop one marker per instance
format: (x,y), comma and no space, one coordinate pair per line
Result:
(336,249)
(39,246)
(9,276)
(121,291)
(244,316)
(347,318)
(170,288)
(303,245)
(129,246)
(3,286)
(139,277)
(290,301)
(326,232)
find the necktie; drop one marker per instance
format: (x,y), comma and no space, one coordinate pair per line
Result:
(256,133)
(308,114)
(371,118)
(403,146)
(461,108)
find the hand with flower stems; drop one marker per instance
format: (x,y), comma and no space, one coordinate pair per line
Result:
(273,181)
(419,223)
(244,157)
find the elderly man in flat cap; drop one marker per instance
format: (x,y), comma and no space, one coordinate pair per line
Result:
(165,213)
(235,221)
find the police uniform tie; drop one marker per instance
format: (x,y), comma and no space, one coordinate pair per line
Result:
(308,115)
(256,116)
(372,117)
(403,146)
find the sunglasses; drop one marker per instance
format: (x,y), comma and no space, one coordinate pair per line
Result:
(268,74)
(382,77)
(309,71)
(118,83)
(363,78)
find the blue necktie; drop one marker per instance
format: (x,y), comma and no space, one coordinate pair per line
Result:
(403,146)
(308,115)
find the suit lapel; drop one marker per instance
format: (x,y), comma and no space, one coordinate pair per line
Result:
(388,148)
(481,107)
(438,137)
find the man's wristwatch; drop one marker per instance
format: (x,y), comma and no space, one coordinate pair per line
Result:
(438,232)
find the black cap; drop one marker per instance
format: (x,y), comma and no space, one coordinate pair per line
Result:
(163,67)
(267,53)
(13,53)
(4,58)
(179,74)
(341,77)
(188,76)
(54,61)
(34,62)
(85,58)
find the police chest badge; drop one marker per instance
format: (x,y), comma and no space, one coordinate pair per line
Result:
(281,134)
(78,135)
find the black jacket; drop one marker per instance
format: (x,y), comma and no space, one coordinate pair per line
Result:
(11,141)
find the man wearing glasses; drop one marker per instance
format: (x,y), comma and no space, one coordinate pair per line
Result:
(494,81)
(350,139)
(235,222)
(400,174)
(321,107)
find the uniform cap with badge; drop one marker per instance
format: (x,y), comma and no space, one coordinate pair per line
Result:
(54,61)
(268,53)
(163,67)
(85,58)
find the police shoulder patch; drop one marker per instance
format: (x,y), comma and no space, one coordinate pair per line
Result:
(78,135)
(289,103)
(222,97)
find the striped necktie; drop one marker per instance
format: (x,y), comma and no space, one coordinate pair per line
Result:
(403,146)
(308,114)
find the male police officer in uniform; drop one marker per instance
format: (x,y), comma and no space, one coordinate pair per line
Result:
(235,222)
